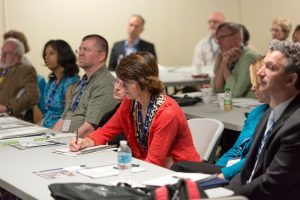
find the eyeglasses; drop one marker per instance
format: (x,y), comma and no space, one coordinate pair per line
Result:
(276,30)
(3,53)
(85,50)
(221,37)
(212,21)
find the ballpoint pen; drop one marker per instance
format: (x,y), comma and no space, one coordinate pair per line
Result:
(76,136)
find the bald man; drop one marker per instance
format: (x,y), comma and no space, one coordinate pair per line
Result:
(132,44)
(206,49)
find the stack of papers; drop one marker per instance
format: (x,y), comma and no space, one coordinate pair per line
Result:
(36,143)
(66,151)
(22,132)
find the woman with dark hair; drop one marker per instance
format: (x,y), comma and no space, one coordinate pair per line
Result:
(155,126)
(61,60)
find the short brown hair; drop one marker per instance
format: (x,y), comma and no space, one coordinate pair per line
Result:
(101,42)
(17,35)
(141,67)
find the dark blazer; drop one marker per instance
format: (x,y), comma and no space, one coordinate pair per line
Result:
(118,49)
(277,175)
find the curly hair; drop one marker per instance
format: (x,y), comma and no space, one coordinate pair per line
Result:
(141,67)
(291,51)
(65,57)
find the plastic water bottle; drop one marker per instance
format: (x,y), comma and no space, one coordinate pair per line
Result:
(227,100)
(124,162)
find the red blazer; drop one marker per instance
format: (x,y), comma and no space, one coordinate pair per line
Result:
(169,134)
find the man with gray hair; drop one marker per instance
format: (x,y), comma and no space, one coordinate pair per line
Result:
(271,170)
(18,82)
(233,61)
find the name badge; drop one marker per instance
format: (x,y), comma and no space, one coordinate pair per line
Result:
(232,161)
(67,123)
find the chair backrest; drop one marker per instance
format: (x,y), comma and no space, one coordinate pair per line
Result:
(206,134)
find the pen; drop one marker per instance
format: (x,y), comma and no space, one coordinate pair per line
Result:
(76,136)
(61,168)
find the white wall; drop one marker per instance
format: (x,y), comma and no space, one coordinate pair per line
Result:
(173,25)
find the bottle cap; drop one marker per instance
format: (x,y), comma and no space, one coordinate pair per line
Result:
(123,142)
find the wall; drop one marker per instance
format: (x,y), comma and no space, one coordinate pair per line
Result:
(174,26)
(258,15)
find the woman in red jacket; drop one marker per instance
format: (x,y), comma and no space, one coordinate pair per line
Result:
(154,124)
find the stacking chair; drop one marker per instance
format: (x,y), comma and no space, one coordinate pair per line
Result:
(206,135)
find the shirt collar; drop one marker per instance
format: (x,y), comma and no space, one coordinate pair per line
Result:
(134,44)
(279,109)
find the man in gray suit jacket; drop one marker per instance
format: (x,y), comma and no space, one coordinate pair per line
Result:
(272,167)
(133,43)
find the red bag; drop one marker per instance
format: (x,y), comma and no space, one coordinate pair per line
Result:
(184,189)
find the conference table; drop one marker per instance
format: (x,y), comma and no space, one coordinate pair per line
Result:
(180,76)
(233,120)
(172,77)
(18,167)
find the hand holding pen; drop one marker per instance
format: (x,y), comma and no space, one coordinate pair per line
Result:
(77,143)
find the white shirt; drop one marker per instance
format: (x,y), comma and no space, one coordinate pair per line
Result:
(205,55)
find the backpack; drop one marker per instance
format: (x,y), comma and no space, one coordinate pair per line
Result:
(93,191)
(186,100)
(184,189)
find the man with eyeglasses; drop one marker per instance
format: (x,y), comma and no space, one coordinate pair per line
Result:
(233,62)
(271,169)
(92,96)
(207,48)
(18,81)
(132,44)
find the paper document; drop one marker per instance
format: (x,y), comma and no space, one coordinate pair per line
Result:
(66,151)
(245,102)
(22,132)
(104,171)
(59,172)
(8,120)
(15,125)
(218,192)
(37,143)
(173,178)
